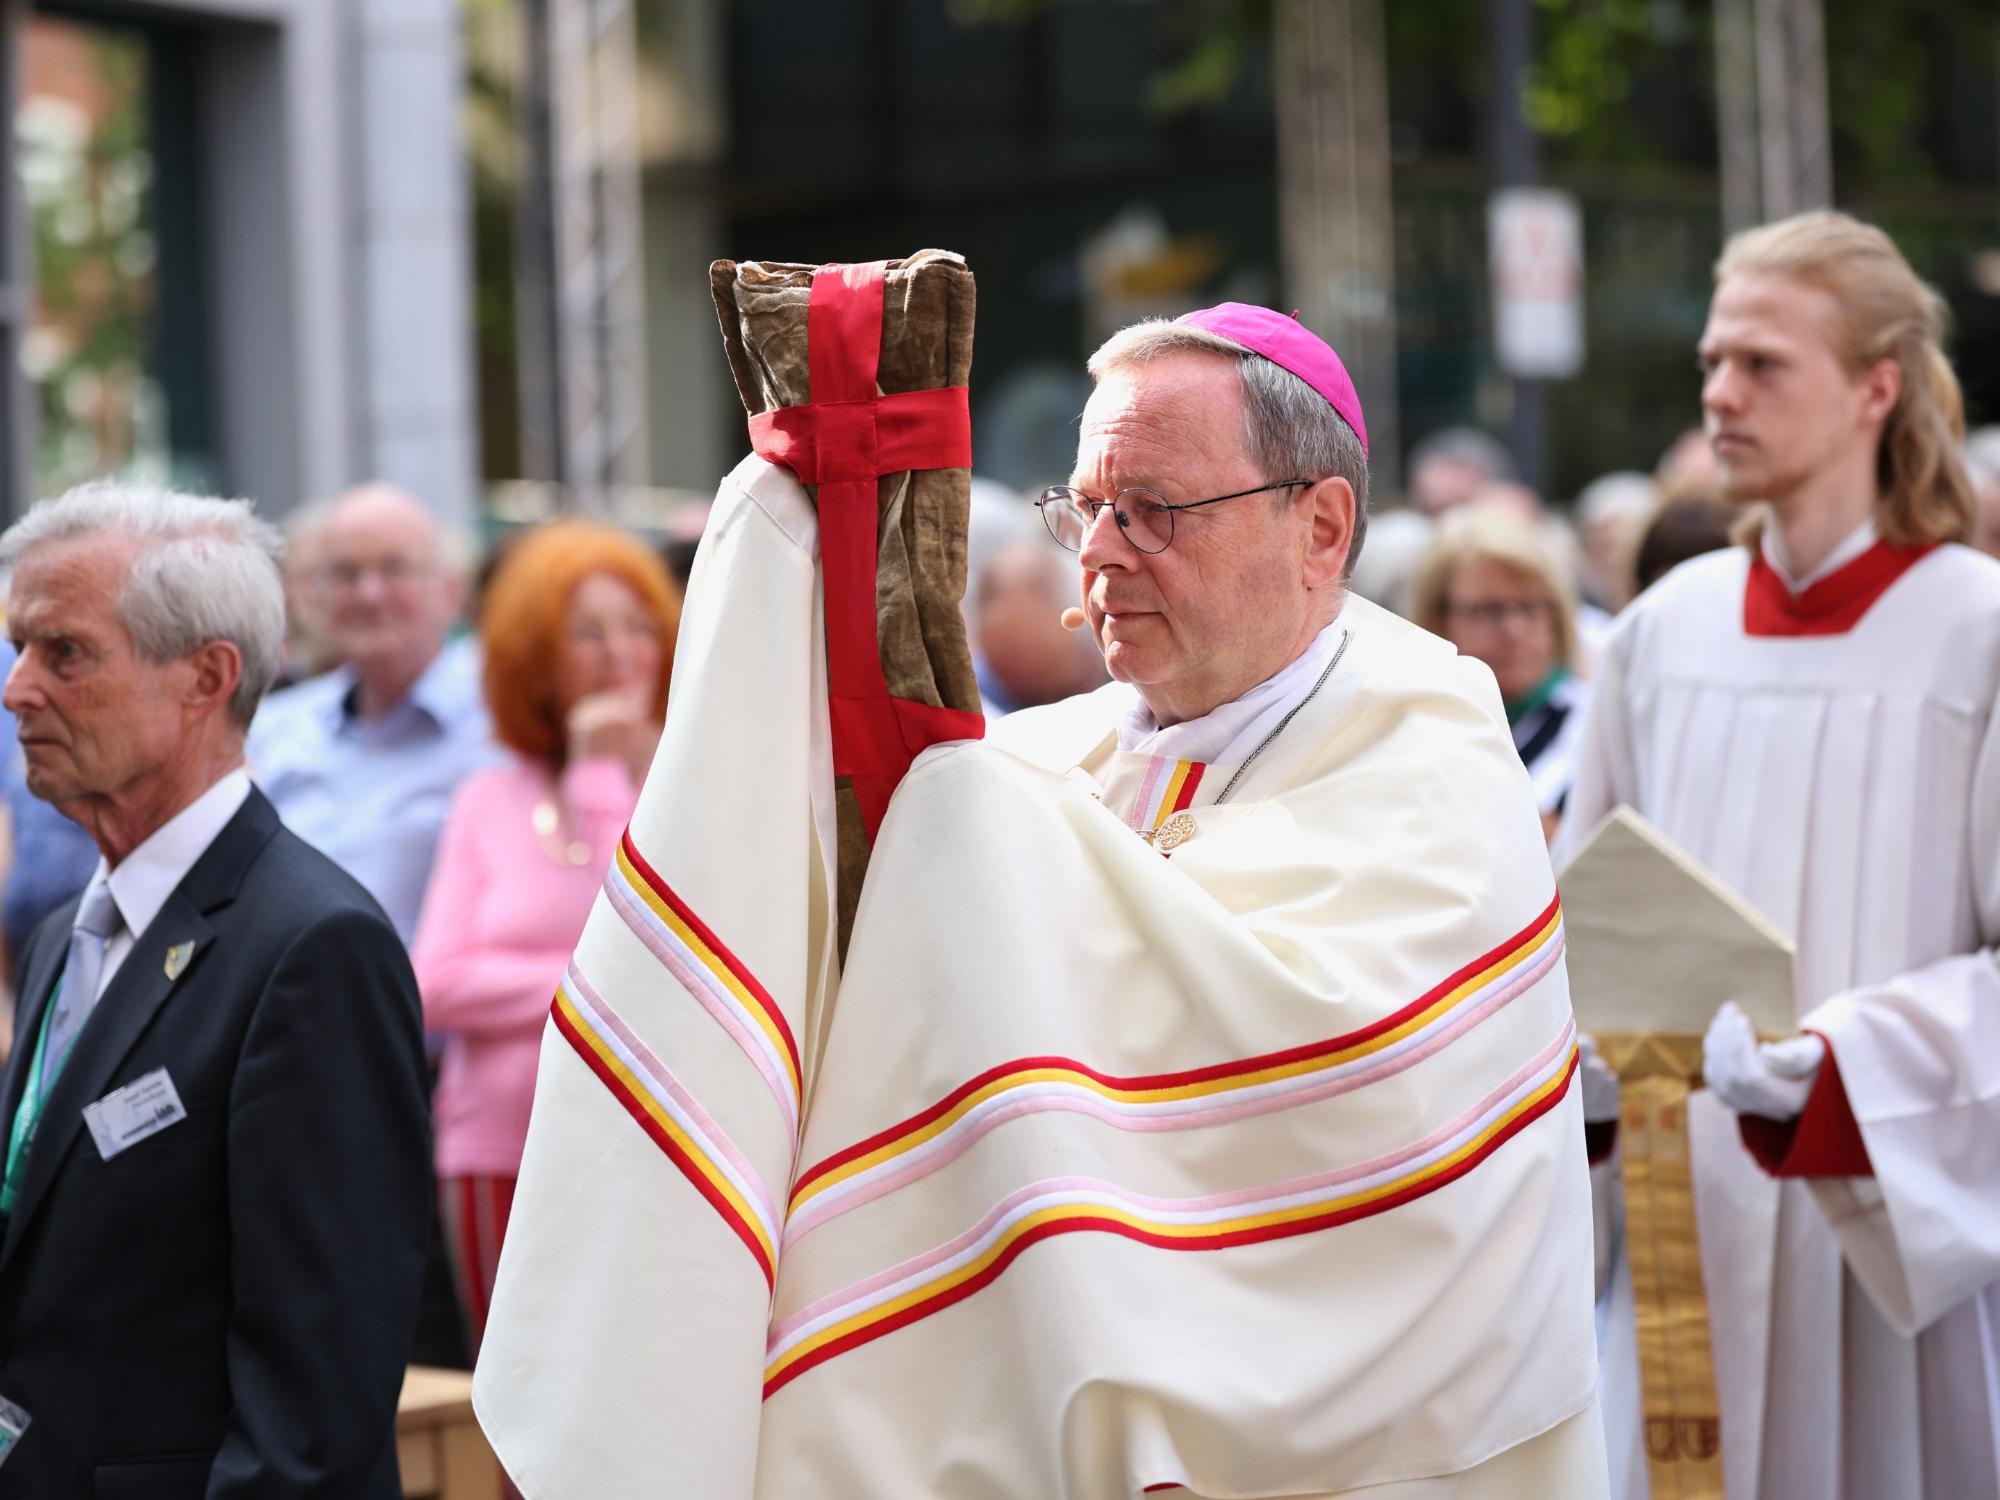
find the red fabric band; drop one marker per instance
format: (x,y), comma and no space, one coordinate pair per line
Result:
(1824,1141)
(844,441)
(1835,604)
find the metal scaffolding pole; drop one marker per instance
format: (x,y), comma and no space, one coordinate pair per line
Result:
(1772,124)
(1336,221)
(16,278)
(582,270)
(538,331)
(1515,160)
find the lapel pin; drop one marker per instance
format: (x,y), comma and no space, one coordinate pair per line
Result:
(177,959)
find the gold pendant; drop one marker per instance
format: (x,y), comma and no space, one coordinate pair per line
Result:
(1176,831)
(177,960)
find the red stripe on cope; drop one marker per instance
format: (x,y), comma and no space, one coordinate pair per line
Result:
(696,1177)
(715,945)
(844,440)
(1824,1141)
(1835,604)
(1186,799)
(1193,1075)
(918,1311)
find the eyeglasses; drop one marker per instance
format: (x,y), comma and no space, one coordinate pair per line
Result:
(1494,614)
(393,571)
(1147,519)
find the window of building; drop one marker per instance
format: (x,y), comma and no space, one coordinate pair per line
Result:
(97,133)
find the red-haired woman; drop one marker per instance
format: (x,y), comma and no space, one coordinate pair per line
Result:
(578,630)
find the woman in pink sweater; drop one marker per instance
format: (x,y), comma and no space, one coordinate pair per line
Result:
(578,633)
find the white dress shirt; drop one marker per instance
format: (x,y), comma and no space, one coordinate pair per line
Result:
(150,873)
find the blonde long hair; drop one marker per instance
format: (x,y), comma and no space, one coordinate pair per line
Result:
(1882,310)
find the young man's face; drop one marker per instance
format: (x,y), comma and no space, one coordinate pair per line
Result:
(1778,405)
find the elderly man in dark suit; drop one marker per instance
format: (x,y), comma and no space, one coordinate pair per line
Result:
(217,1184)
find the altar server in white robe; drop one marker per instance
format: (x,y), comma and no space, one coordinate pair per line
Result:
(1813,717)
(1254,953)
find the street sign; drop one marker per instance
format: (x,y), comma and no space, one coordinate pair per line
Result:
(1534,239)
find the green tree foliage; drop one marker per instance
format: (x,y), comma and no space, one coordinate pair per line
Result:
(88,186)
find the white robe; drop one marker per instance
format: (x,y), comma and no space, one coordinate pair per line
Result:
(922,1227)
(1849,786)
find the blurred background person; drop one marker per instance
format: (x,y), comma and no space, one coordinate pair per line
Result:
(1450,467)
(1025,657)
(1686,525)
(1509,497)
(578,635)
(682,541)
(1689,463)
(1982,462)
(1612,513)
(308,650)
(1496,589)
(362,761)
(1398,538)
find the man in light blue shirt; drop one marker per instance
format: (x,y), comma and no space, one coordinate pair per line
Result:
(362,761)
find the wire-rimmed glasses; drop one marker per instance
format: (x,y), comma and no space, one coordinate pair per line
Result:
(1146,518)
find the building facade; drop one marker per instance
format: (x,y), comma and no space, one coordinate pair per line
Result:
(233,248)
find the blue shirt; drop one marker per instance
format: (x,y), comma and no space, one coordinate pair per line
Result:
(53,857)
(372,794)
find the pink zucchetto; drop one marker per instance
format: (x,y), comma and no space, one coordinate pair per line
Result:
(1289,343)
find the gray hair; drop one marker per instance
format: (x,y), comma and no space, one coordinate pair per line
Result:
(1469,446)
(207,571)
(1623,494)
(1292,431)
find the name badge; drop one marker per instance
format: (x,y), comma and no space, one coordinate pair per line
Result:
(124,1117)
(13,1422)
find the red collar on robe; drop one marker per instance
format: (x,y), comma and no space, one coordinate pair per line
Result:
(1832,606)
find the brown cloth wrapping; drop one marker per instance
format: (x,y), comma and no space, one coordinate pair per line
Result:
(921,517)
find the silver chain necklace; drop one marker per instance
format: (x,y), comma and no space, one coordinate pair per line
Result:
(1179,829)
(1264,743)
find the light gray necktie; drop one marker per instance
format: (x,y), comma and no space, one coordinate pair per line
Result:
(96,921)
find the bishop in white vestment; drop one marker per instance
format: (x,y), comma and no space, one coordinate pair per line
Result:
(1194,1113)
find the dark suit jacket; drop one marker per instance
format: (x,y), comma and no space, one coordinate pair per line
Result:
(224,1308)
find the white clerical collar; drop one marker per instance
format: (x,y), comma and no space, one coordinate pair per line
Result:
(1225,735)
(150,873)
(1858,541)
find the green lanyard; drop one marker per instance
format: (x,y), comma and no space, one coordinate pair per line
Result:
(33,1095)
(1538,695)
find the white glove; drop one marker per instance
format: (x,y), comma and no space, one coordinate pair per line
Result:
(1772,1079)
(1600,1083)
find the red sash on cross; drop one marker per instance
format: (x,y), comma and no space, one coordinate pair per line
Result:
(844,441)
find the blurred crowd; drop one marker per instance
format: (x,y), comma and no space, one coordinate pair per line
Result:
(467,736)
